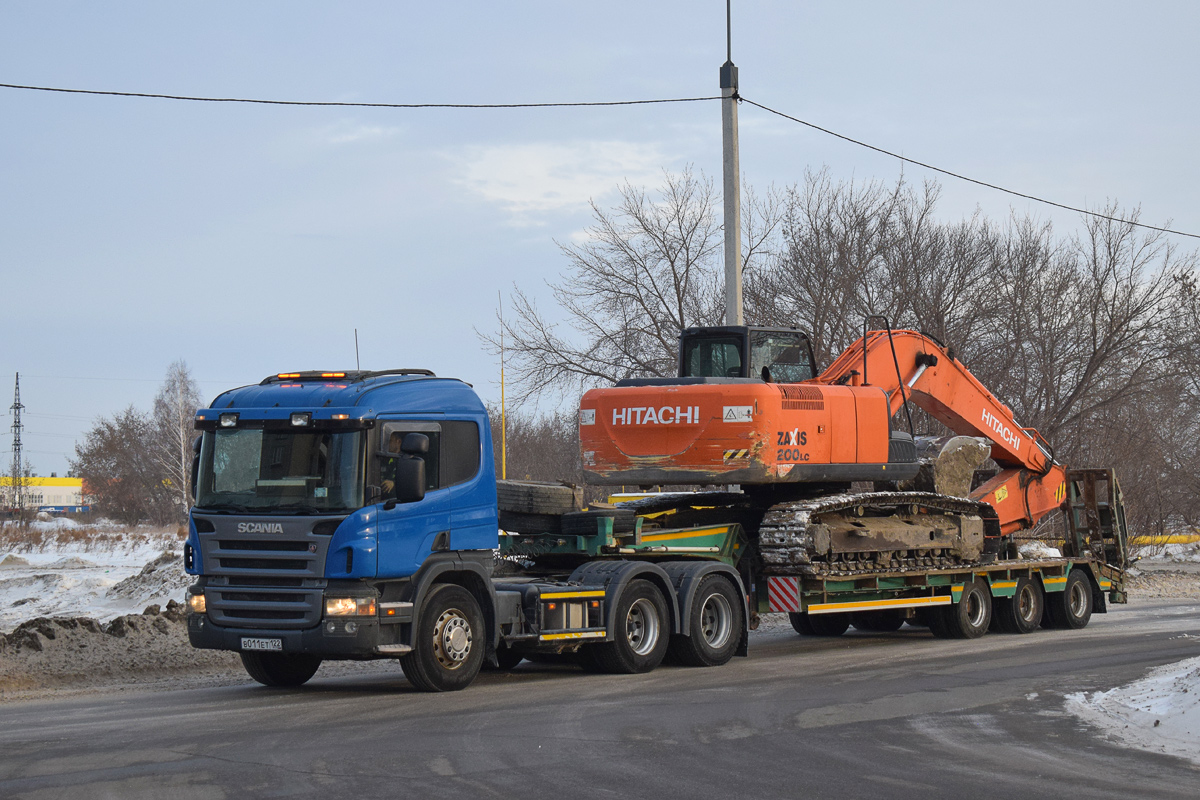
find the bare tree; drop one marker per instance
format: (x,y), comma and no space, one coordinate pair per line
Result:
(648,269)
(174,412)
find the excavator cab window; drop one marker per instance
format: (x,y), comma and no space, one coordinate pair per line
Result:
(712,357)
(785,355)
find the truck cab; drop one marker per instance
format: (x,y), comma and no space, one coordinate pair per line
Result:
(354,515)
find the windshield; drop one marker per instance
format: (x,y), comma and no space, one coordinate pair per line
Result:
(297,472)
(784,354)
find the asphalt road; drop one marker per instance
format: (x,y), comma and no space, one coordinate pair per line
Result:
(865,715)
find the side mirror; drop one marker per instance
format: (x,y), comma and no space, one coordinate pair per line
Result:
(195,467)
(415,444)
(410,480)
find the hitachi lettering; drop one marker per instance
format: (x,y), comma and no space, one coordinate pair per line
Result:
(1001,430)
(260,527)
(667,415)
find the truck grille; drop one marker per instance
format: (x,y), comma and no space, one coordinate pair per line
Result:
(265,580)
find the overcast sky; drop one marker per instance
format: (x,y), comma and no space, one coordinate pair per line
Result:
(249,240)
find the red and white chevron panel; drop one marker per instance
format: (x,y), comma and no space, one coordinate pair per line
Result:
(783,594)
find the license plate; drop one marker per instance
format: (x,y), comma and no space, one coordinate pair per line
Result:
(262,644)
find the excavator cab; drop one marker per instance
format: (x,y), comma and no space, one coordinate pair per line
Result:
(778,355)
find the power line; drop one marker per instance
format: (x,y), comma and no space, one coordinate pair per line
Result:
(353,105)
(768,109)
(967,179)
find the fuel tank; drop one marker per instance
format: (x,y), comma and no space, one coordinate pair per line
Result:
(739,431)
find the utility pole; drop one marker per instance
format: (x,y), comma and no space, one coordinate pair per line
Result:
(731,173)
(18,469)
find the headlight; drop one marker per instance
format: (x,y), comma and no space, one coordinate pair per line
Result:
(349,606)
(229,420)
(196,603)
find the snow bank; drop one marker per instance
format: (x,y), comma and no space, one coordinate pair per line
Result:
(1175,553)
(1160,712)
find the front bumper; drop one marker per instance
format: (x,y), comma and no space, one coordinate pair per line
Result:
(365,642)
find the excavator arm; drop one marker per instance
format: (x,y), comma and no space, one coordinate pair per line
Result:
(910,366)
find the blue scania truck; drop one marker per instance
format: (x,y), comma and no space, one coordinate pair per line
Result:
(355,515)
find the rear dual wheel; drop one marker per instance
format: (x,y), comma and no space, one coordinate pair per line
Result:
(1021,613)
(714,628)
(1070,609)
(642,630)
(969,618)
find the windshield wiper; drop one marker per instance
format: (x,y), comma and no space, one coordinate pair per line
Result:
(298,508)
(223,508)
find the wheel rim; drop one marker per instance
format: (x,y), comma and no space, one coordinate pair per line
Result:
(641,626)
(975,609)
(1026,603)
(452,638)
(716,620)
(1078,600)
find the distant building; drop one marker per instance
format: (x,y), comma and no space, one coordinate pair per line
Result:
(53,494)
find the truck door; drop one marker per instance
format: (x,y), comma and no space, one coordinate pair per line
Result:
(472,483)
(408,531)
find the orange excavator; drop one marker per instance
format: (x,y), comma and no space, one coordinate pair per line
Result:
(748,408)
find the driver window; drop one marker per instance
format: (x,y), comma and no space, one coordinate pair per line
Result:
(390,440)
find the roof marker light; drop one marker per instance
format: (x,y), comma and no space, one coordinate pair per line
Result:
(288,375)
(333,374)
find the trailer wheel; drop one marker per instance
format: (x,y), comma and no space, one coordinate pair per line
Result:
(821,625)
(281,670)
(1021,613)
(1070,609)
(969,618)
(641,631)
(877,621)
(715,627)
(449,641)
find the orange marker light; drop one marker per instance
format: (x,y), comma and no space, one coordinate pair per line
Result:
(551,606)
(333,374)
(289,375)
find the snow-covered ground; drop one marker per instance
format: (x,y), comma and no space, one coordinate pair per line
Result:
(1173,553)
(1159,712)
(93,571)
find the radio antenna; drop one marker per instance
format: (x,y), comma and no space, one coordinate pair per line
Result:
(357,363)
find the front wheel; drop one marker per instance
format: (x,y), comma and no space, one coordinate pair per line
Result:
(715,627)
(281,670)
(641,630)
(449,641)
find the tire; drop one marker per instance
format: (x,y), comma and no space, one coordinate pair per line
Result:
(531,497)
(714,628)
(281,670)
(877,621)
(521,522)
(820,625)
(1021,613)
(506,659)
(584,523)
(642,631)
(1070,609)
(969,618)
(449,641)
